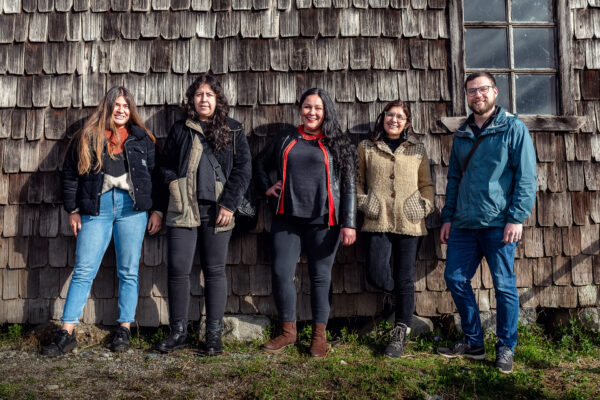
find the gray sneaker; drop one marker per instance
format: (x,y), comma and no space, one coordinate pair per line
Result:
(462,349)
(504,359)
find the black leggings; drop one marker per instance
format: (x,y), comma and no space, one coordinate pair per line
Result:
(320,244)
(213,257)
(379,275)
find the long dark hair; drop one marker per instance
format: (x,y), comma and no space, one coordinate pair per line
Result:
(217,126)
(344,155)
(90,140)
(378,130)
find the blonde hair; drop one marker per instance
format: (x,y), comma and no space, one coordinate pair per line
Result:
(90,140)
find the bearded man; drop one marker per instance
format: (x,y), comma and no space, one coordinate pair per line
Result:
(490,192)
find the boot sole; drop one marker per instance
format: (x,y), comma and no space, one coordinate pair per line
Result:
(167,351)
(277,351)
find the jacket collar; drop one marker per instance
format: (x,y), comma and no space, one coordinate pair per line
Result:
(499,124)
(194,125)
(136,132)
(410,141)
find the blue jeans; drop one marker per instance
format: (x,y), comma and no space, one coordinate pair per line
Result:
(466,248)
(116,215)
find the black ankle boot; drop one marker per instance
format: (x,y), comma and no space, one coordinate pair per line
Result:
(176,338)
(396,346)
(213,345)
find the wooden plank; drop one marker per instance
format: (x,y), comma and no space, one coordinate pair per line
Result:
(35,189)
(247,89)
(228,24)
(11,163)
(30,156)
(93,88)
(561,270)
(74,28)
(590,84)
(575,176)
(592,176)
(370,22)
(571,237)
(329,22)
(429,24)
(10,284)
(580,202)
(552,241)
(365,81)
(435,276)
(34,54)
(533,241)
(387,85)
(8,91)
(171,25)
(430,85)
(338,54)
(351,25)
(289,23)
(131,25)
(535,123)
(596,265)
(557,176)
(239,55)
(268,88)
(437,54)
(419,53)
(18,250)
(52,188)
(19,123)
(582,270)
(49,218)
(55,124)
(426,303)
(595,207)
(542,271)
(300,54)
(360,57)
(391,21)
(410,22)
(590,239)
(583,24)
(4,185)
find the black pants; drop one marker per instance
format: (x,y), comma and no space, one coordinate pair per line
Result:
(213,257)
(381,246)
(320,244)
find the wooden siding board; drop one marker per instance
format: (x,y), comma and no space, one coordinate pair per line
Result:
(370,22)
(16,59)
(33,54)
(580,202)
(391,21)
(351,25)
(329,21)
(360,54)
(239,55)
(228,24)
(592,176)
(199,55)
(289,23)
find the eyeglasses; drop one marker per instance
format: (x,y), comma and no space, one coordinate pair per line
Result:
(391,115)
(482,89)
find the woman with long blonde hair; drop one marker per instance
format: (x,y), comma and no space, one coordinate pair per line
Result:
(107,191)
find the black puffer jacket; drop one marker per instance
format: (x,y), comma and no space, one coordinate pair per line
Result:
(236,167)
(271,158)
(83,191)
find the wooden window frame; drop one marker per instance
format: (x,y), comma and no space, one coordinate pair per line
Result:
(566,120)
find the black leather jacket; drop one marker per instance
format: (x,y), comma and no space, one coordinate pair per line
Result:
(83,191)
(271,158)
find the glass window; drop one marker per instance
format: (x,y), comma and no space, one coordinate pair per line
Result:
(492,55)
(516,41)
(531,10)
(536,94)
(490,10)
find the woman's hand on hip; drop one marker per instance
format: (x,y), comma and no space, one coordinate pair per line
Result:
(224,217)
(347,236)
(75,223)
(154,223)
(275,189)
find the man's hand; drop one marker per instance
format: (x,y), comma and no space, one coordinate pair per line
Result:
(348,236)
(445,232)
(512,232)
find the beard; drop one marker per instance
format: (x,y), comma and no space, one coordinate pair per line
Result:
(483,109)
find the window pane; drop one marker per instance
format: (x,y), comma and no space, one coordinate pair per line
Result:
(532,11)
(503,98)
(486,48)
(484,10)
(536,94)
(534,48)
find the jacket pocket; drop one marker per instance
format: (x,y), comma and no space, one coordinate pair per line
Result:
(415,208)
(175,196)
(371,207)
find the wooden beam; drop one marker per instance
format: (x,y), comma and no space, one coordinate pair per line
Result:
(544,123)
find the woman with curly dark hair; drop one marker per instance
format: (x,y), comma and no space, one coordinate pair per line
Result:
(206,164)
(315,209)
(395,193)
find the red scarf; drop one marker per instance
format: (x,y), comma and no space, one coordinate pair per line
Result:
(114,146)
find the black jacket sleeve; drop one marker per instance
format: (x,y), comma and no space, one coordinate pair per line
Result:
(70,179)
(241,172)
(348,204)
(168,160)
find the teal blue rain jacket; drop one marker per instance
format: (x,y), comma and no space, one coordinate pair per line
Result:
(500,182)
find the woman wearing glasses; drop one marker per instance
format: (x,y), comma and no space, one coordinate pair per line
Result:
(395,193)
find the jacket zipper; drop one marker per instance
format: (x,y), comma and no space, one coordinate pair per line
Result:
(129,169)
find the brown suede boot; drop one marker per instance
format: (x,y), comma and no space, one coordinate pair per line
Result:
(287,337)
(318,343)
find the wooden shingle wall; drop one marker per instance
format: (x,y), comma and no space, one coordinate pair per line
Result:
(57,58)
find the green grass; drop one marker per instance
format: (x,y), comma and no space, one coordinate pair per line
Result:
(564,364)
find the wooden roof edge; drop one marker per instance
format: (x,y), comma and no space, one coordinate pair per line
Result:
(546,123)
